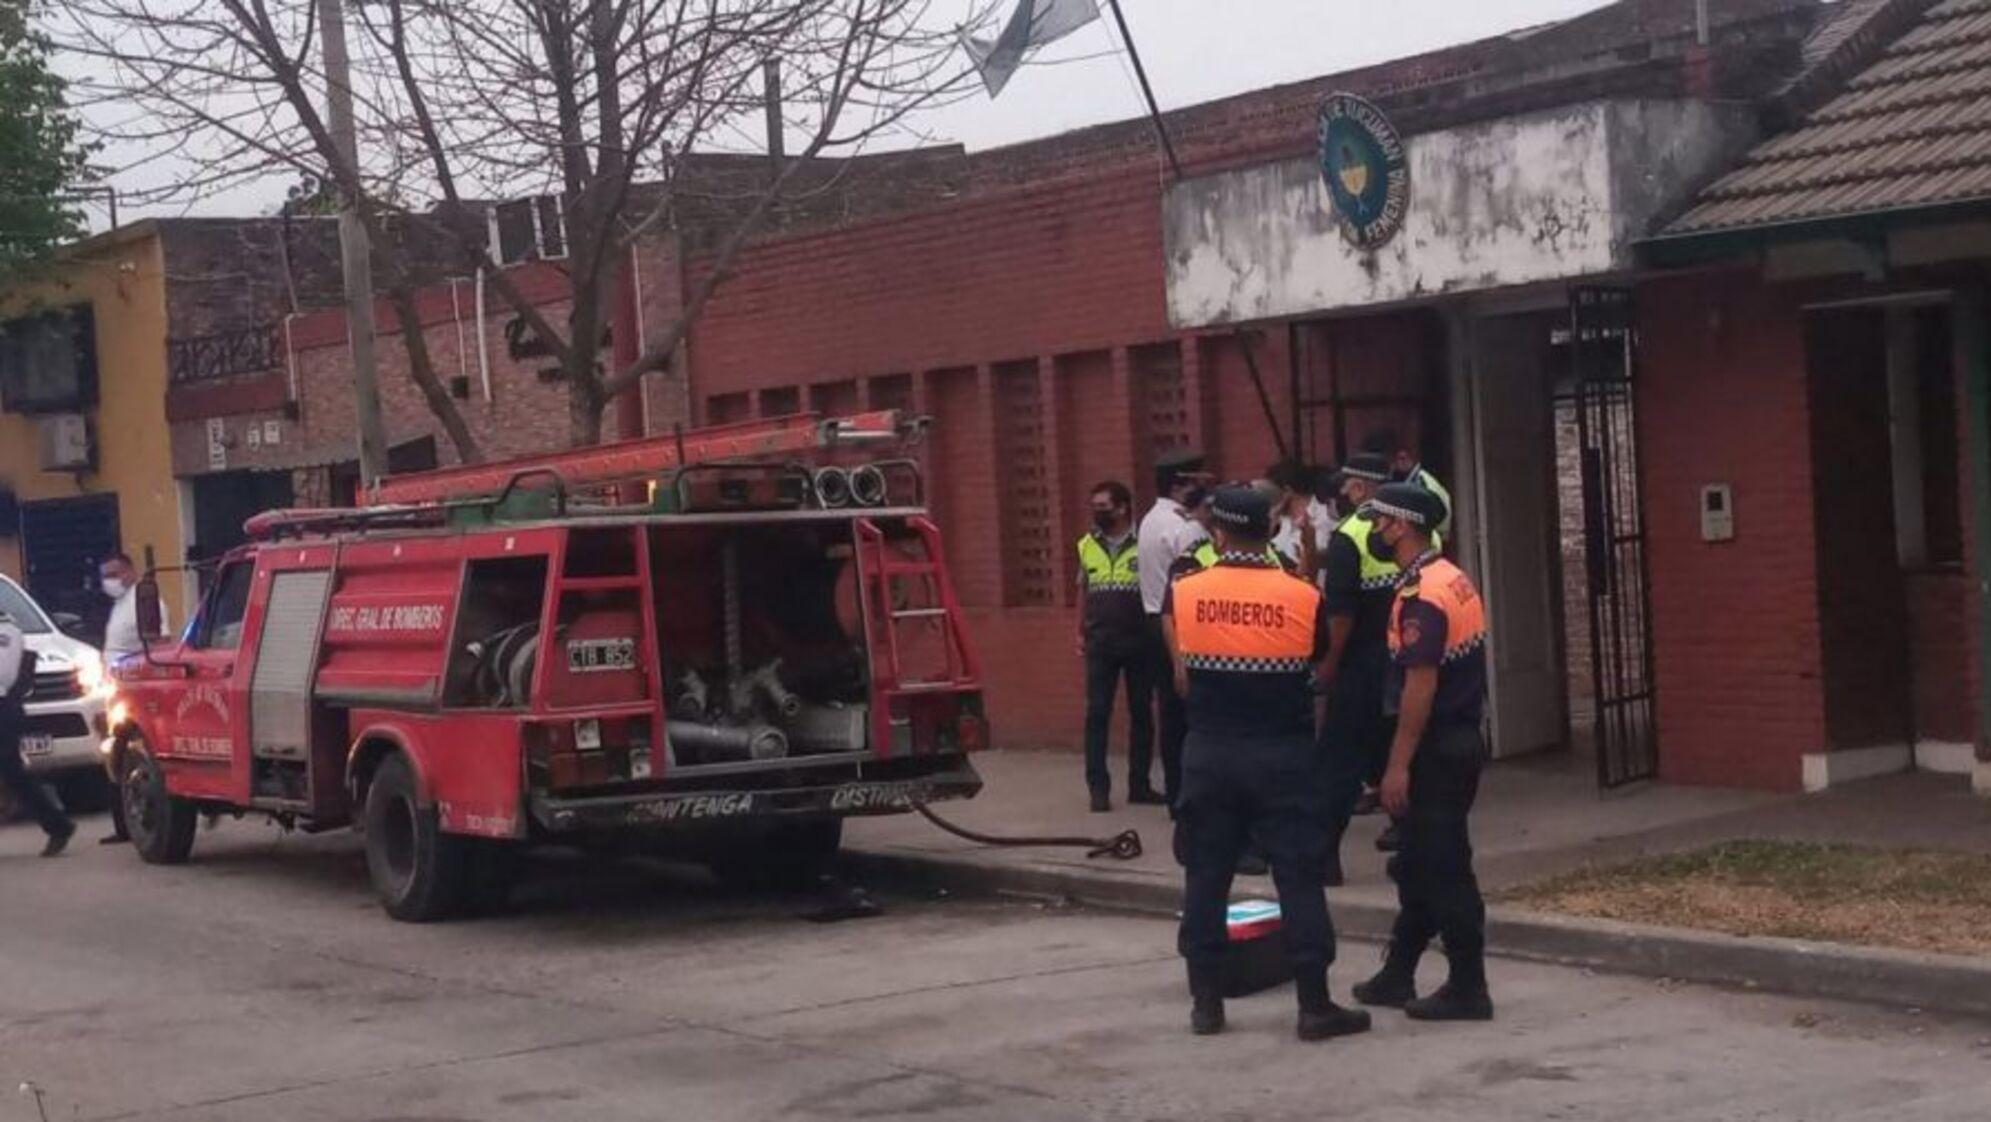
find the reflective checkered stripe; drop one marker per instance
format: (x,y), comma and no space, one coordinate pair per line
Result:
(1457,651)
(1235,664)
(1376,576)
(1096,587)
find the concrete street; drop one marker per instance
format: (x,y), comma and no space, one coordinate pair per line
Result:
(261,982)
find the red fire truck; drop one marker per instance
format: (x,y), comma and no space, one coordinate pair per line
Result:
(728,640)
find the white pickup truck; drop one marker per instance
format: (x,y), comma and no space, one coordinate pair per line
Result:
(66,723)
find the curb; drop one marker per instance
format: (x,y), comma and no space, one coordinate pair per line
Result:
(1871,975)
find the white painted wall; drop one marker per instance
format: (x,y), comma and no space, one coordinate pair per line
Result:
(1542,196)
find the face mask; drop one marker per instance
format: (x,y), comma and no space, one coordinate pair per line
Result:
(1380,549)
(1104,520)
(114,588)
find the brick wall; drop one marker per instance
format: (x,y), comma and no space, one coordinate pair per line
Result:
(1722,398)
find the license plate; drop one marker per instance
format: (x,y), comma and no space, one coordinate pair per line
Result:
(589,656)
(37,745)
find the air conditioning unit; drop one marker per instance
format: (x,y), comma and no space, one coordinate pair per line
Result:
(66,443)
(529,229)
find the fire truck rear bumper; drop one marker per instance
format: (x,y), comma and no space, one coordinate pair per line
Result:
(843,799)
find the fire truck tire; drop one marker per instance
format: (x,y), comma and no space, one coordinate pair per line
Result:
(161,825)
(419,872)
(787,855)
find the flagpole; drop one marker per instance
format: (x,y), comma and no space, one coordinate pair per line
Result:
(1141,72)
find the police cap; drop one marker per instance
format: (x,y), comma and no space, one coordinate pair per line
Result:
(1175,463)
(1408,502)
(1368,466)
(1243,510)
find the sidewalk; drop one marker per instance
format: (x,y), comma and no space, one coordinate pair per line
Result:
(1535,818)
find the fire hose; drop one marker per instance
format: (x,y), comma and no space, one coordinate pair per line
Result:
(1124,846)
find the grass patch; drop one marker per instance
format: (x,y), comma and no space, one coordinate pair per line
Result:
(1923,900)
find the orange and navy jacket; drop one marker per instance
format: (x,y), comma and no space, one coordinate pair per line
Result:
(1439,620)
(1249,633)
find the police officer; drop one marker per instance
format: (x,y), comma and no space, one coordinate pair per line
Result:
(17,671)
(1355,735)
(1244,636)
(1437,641)
(1407,467)
(1113,638)
(1170,530)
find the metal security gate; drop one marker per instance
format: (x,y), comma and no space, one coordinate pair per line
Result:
(1603,354)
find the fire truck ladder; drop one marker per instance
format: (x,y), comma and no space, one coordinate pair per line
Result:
(426,498)
(647,458)
(935,602)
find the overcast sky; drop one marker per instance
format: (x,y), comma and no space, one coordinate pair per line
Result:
(1195,50)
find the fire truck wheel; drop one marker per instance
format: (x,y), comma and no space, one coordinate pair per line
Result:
(161,825)
(787,855)
(418,870)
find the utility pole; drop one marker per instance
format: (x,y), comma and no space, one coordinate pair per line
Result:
(355,251)
(1147,91)
(771,94)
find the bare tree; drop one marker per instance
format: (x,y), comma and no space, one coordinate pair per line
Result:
(602,103)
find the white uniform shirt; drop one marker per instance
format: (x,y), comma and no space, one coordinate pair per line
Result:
(12,643)
(121,632)
(1324,523)
(1166,534)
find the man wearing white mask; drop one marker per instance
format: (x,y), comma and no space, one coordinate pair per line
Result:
(121,633)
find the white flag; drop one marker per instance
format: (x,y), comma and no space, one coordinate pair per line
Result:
(1034,24)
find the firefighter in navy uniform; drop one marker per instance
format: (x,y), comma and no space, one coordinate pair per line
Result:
(1244,636)
(1437,641)
(1355,736)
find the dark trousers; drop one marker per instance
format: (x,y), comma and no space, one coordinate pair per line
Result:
(1355,738)
(1174,712)
(1437,891)
(25,789)
(1263,794)
(1107,661)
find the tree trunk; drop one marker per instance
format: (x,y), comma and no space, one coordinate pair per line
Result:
(422,371)
(584,412)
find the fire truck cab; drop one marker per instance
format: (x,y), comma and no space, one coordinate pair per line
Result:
(718,640)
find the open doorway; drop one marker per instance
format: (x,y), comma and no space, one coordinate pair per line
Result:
(1515,366)
(1893,580)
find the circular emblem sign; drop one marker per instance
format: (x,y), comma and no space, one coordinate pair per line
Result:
(1362,159)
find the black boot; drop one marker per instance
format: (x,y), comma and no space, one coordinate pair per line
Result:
(1388,989)
(1395,984)
(1463,997)
(1206,993)
(1206,1016)
(1452,1003)
(1320,1018)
